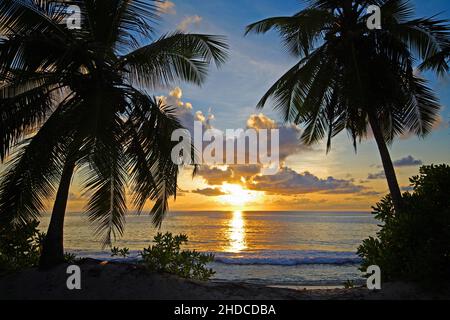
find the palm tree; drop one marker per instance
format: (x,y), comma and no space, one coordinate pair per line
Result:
(76,100)
(351,78)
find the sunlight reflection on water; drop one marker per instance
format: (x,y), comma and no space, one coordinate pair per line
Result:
(235,237)
(236,233)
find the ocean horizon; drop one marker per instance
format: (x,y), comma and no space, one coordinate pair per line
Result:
(278,248)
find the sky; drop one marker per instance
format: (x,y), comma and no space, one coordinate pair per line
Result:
(309,179)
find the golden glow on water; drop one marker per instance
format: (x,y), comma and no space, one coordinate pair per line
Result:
(236,233)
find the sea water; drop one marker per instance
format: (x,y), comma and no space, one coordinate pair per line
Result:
(263,247)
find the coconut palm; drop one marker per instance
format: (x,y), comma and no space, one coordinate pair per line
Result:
(351,78)
(76,100)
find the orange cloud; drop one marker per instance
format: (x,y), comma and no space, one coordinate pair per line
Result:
(166,7)
(188,21)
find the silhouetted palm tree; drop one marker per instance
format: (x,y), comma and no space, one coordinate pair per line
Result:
(353,78)
(75,99)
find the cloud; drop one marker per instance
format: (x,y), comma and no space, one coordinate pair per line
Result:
(210,192)
(177,93)
(295,202)
(206,120)
(245,172)
(370,194)
(261,121)
(408,162)
(288,181)
(216,176)
(166,7)
(241,174)
(440,123)
(285,182)
(188,21)
(376,176)
(185,112)
(289,135)
(288,145)
(231,174)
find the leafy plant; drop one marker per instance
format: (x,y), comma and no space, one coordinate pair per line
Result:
(124,252)
(415,244)
(70,258)
(166,256)
(349,284)
(20,246)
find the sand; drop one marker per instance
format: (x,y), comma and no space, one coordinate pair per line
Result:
(113,281)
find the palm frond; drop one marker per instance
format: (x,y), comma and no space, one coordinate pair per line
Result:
(426,37)
(18,17)
(34,170)
(174,57)
(105,179)
(132,18)
(24,106)
(422,108)
(299,32)
(153,174)
(290,91)
(439,62)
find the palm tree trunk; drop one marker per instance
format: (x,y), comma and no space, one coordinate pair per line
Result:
(387,164)
(53,246)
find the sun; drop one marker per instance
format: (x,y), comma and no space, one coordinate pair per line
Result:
(236,195)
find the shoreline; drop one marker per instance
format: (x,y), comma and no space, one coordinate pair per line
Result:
(122,281)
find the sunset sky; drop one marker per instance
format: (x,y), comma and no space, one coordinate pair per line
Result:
(309,178)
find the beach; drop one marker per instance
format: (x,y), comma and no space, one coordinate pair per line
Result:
(118,281)
(258,256)
(270,248)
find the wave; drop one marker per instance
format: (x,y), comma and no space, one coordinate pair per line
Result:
(263,257)
(288,258)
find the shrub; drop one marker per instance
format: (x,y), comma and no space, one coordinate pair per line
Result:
(166,256)
(415,244)
(70,258)
(349,284)
(20,247)
(117,252)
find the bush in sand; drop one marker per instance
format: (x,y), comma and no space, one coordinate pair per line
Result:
(414,245)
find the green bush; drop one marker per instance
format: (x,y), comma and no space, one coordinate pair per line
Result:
(415,244)
(349,284)
(166,256)
(70,258)
(117,252)
(20,247)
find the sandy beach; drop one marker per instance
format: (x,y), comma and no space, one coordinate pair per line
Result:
(117,281)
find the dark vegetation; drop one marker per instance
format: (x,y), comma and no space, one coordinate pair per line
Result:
(414,245)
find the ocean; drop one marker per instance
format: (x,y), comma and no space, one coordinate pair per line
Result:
(266,247)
